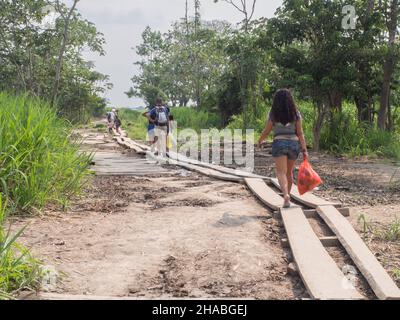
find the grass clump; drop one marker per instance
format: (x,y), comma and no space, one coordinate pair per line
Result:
(18,270)
(390,232)
(40,162)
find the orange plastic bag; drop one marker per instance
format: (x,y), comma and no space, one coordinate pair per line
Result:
(307,179)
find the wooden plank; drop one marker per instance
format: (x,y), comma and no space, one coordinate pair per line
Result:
(319,272)
(314,214)
(231,171)
(379,280)
(207,172)
(266,195)
(307,199)
(327,242)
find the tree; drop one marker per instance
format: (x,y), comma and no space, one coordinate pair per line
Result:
(183,64)
(314,55)
(391,57)
(30,56)
(67,20)
(243,7)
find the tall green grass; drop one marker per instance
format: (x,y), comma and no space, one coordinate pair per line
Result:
(343,134)
(18,270)
(39,160)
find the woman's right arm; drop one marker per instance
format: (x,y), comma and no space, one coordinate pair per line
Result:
(267,130)
(302,139)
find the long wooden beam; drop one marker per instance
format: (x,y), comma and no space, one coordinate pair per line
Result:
(236,172)
(379,280)
(265,194)
(205,171)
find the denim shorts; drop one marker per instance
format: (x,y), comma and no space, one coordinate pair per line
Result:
(289,148)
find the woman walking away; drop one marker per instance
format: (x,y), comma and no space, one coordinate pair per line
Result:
(286,123)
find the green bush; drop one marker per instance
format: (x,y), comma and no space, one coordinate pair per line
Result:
(195,119)
(39,160)
(345,135)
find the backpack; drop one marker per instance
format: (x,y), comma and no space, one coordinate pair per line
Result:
(110,116)
(162,115)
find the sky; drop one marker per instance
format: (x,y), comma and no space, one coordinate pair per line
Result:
(123,21)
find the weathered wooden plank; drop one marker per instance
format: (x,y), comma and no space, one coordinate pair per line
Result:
(205,171)
(231,171)
(307,199)
(319,272)
(379,280)
(314,214)
(327,242)
(263,192)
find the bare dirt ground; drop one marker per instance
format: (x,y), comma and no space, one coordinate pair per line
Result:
(187,236)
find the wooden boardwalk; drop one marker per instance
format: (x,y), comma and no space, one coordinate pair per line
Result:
(107,164)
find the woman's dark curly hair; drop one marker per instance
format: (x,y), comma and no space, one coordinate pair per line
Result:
(284,109)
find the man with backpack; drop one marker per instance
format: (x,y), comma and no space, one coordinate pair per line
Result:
(159,116)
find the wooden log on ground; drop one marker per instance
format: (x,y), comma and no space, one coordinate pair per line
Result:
(379,280)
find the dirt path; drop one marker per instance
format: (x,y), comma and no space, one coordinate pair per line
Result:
(174,235)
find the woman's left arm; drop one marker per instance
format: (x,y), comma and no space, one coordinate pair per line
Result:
(267,130)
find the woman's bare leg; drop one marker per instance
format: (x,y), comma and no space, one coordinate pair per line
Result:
(290,167)
(281,173)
